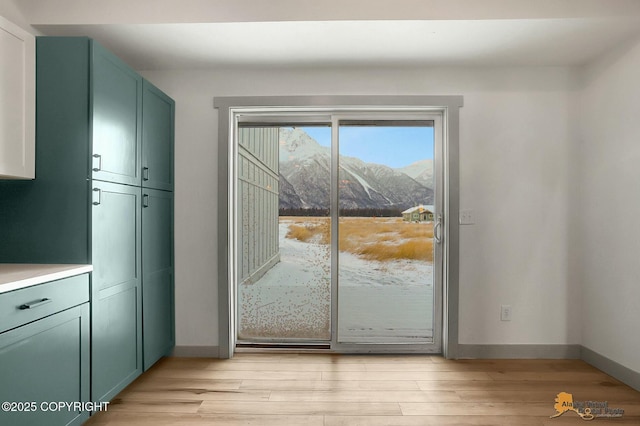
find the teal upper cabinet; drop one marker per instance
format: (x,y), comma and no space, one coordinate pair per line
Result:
(78,79)
(117,108)
(157,138)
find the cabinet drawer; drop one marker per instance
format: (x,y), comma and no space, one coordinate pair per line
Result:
(46,361)
(29,304)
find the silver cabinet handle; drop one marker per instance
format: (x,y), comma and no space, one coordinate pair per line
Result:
(145,173)
(35,304)
(437,230)
(97,196)
(145,200)
(97,157)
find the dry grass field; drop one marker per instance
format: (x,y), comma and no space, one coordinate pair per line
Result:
(381,239)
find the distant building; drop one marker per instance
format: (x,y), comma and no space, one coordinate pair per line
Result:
(419,213)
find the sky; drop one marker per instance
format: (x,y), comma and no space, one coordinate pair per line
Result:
(392,146)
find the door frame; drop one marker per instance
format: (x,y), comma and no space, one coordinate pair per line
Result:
(230,108)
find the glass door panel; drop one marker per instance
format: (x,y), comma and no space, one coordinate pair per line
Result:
(283,234)
(385,232)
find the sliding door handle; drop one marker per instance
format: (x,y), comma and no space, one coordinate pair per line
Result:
(437,230)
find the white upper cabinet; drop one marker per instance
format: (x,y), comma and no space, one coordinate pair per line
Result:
(17,102)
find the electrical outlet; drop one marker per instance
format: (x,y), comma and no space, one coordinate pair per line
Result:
(505,312)
(467,217)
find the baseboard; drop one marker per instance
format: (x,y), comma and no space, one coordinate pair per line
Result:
(608,366)
(196,351)
(518,351)
(612,368)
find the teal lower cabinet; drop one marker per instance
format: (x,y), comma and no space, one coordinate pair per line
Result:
(46,361)
(116,302)
(157,275)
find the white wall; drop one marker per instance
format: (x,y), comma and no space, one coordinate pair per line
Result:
(607,235)
(515,131)
(513,162)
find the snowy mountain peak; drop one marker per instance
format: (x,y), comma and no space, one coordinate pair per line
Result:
(296,144)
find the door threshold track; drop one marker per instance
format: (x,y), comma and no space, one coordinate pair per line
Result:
(282,347)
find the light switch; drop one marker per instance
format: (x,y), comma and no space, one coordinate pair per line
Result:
(467,217)
(505,312)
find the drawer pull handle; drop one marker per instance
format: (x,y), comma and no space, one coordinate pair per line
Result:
(145,173)
(35,304)
(97,196)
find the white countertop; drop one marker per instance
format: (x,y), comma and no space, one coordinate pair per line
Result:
(14,276)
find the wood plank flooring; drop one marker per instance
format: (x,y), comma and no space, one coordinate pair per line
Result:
(363,390)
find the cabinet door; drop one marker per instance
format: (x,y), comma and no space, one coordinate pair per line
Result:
(157,275)
(46,361)
(157,138)
(17,103)
(116,340)
(116,116)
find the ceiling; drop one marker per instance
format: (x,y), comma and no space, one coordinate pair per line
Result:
(198,34)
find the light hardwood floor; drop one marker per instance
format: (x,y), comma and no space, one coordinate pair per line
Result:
(352,390)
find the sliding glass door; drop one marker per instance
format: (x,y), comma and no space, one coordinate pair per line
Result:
(385,232)
(337,229)
(283,226)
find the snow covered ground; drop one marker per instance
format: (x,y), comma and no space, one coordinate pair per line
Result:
(388,302)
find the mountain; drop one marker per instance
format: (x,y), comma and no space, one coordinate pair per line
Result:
(366,185)
(305,165)
(421,171)
(305,172)
(288,198)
